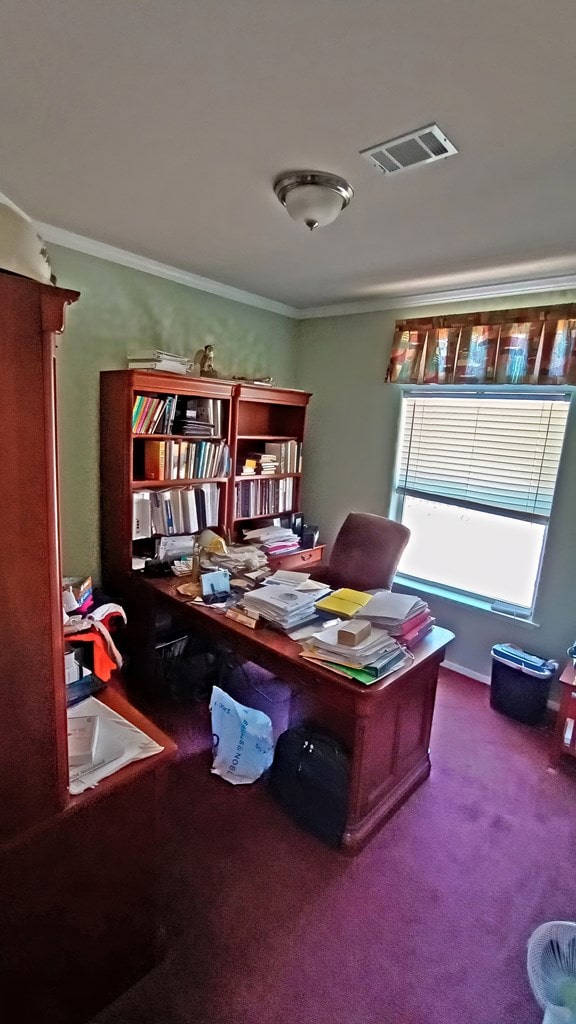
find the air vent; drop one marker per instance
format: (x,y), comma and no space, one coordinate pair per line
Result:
(419,147)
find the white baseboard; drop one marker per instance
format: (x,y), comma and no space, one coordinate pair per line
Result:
(466,672)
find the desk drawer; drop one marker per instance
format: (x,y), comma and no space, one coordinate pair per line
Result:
(298,560)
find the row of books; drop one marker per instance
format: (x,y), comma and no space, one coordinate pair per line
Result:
(177,414)
(288,455)
(185,460)
(173,511)
(257,464)
(261,497)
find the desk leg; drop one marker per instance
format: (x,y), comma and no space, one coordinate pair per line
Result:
(566,712)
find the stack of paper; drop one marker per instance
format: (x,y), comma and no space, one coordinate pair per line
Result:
(118,743)
(404,616)
(372,659)
(239,558)
(283,606)
(299,581)
(156,359)
(274,540)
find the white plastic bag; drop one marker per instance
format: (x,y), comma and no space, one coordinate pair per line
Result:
(242,739)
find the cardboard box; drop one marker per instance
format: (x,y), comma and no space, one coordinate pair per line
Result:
(354,632)
(81,588)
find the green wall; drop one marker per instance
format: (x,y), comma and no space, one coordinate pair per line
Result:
(350,455)
(123,310)
(352,430)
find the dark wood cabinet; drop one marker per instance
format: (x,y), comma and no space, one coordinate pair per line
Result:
(79,922)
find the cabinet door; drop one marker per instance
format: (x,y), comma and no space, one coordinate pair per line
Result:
(32,713)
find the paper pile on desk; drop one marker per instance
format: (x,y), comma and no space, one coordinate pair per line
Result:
(367,662)
(284,606)
(240,558)
(118,743)
(404,616)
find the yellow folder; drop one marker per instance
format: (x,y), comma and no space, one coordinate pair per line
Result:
(344,602)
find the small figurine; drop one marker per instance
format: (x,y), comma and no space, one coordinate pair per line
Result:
(204,358)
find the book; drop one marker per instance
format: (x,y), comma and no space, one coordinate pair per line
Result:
(82,739)
(154,460)
(344,602)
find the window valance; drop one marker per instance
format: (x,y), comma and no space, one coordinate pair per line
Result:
(512,346)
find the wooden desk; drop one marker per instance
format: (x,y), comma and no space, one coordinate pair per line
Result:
(564,741)
(385,727)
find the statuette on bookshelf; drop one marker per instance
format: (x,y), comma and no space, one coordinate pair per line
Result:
(204,362)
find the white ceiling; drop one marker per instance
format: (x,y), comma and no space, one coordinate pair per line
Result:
(158,126)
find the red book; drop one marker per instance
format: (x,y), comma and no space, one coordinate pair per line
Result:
(414,637)
(413,623)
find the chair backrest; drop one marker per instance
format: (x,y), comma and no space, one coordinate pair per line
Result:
(366,552)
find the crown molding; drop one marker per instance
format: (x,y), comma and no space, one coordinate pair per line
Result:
(102,251)
(488,291)
(90,247)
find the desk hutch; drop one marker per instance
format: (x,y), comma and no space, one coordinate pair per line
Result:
(78,920)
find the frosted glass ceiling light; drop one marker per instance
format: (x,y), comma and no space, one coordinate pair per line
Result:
(313,198)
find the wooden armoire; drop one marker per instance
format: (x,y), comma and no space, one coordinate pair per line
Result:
(77,874)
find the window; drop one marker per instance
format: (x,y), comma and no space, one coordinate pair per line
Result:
(474,483)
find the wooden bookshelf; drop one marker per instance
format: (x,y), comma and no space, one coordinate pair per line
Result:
(265,416)
(122,459)
(252,416)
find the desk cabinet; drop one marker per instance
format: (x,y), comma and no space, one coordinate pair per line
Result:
(564,741)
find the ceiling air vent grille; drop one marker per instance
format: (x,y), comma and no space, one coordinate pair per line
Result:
(420,147)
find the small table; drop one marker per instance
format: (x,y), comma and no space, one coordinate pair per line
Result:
(385,727)
(564,741)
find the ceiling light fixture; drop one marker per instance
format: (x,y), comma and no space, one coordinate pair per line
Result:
(313,198)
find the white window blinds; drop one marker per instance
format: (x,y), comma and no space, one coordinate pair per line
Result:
(498,454)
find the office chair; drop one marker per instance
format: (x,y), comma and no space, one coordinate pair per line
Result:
(365,553)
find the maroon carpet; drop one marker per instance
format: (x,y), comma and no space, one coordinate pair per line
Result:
(428,925)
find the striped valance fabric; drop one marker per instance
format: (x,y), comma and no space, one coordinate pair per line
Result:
(524,346)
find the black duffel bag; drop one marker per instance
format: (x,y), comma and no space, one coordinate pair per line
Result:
(310,778)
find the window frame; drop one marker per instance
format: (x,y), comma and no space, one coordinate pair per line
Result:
(543,393)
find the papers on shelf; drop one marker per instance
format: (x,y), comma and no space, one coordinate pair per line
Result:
(118,743)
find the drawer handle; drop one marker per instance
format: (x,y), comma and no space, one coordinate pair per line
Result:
(306,557)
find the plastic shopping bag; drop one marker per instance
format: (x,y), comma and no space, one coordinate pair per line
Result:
(242,739)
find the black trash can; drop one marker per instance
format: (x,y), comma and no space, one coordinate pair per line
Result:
(520,683)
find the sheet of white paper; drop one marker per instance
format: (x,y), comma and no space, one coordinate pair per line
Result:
(119,743)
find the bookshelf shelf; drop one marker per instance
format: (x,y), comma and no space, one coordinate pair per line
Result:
(267,476)
(266,437)
(263,515)
(176,437)
(148,485)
